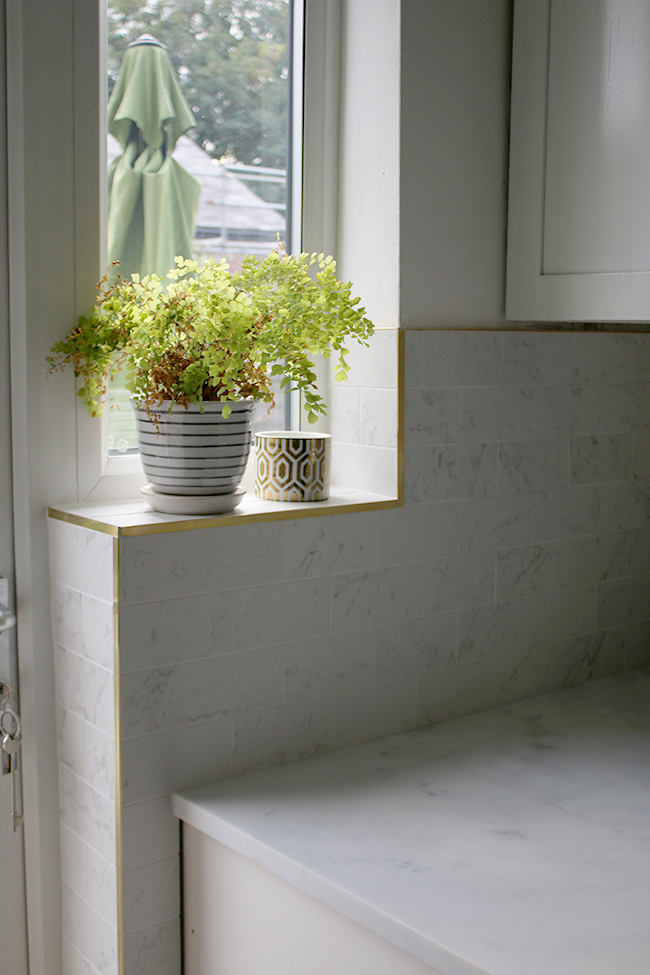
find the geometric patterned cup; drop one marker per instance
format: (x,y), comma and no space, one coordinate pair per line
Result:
(292,466)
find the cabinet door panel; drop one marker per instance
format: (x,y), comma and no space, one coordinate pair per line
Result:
(579,212)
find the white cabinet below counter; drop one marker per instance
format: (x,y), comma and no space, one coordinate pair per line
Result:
(579,195)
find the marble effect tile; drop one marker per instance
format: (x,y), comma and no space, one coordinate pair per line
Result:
(378,417)
(316,668)
(490,414)
(328,546)
(278,735)
(150,833)
(173,630)
(533,817)
(459,471)
(151,894)
(154,950)
(81,559)
(181,758)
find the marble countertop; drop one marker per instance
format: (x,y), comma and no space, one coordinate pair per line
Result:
(511,842)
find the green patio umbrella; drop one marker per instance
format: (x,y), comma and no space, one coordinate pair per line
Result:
(152,200)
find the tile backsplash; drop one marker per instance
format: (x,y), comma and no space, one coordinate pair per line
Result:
(520,563)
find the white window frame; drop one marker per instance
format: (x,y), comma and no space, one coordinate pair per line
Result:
(100,477)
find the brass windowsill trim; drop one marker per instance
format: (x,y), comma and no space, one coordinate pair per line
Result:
(215,521)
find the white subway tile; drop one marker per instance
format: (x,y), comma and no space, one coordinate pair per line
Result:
(158,764)
(410,648)
(200,690)
(344,413)
(81,559)
(605,457)
(623,506)
(151,894)
(149,833)
(562,615)
(270,615)
(531,568)
(315,668)
(432,416)
(567,409)
(456,357)
(624,407)
(97,638)
(66,617)
(71,741)
(215,559)
(489,413)
(533,465)
(150,566)
(566,512)
(378,417)
(452,691)
(412,475)
(95,939)
(365,599)
(426,531)
(277,735)
(329,545)
(89,814)
(488,631)
(85,689)
(413,344)
(637,645)
(154,950)
(537,357)
(160,633)
(99,750)
(593,558)
(459,471)
(486,524)
(623,600)
(365,468)
(375,365)
(385,708)
(456,583)
(604,358)
(638,551)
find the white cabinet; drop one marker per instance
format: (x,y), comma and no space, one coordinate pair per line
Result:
(579,199)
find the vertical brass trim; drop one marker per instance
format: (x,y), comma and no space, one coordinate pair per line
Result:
(117,704)
(401,358)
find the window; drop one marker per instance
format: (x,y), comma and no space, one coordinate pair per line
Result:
(226,67)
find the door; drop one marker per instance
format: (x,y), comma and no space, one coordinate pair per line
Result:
(13,922)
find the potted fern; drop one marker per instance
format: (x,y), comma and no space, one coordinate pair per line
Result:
(199,351)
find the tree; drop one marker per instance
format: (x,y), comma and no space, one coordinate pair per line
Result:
(231,57)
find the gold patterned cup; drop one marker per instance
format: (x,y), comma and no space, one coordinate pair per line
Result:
(292,466)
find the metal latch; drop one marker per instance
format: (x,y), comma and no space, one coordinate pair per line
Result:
(10,728)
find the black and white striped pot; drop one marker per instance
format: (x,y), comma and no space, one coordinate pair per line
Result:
(192,452)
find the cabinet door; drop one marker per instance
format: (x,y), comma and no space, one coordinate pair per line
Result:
(579,200)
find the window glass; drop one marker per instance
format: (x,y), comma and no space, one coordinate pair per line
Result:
(198,144)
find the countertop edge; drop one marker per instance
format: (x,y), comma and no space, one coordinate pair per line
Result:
(194,813)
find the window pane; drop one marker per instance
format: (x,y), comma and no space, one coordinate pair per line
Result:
(197,144)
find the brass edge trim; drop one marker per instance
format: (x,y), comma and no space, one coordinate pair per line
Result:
(401,359)
(96,526)
(117,704)
(219,520)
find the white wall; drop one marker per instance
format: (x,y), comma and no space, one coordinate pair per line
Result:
(453,160)
(369,179)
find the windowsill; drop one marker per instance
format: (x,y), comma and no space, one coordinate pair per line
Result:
(136,518)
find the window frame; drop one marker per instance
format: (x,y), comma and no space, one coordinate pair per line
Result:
(103,478)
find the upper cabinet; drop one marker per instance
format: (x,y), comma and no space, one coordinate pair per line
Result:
(579,197)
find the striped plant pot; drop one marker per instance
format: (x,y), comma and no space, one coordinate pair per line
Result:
(190,452)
